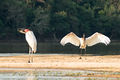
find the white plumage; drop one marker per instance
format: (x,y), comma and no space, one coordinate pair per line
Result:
(70,38)
(30,38)
(83,42)
(97,38)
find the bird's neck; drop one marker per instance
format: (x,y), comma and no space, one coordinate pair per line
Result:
(84,37)
(26,30)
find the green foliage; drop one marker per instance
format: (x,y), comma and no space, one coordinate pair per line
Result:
(52,19)
(41,20)
(12,15)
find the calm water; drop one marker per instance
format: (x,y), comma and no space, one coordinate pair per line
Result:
(54,74)
(54,47)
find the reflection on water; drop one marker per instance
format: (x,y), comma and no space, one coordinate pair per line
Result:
(55,74)
(54,47)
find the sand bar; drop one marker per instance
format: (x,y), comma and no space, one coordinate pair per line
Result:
(99,63)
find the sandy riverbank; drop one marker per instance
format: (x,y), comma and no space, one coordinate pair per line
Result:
(99,63)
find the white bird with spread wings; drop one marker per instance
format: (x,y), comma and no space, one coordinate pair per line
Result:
(83,42)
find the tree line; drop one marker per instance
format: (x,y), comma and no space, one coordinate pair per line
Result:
(52,19)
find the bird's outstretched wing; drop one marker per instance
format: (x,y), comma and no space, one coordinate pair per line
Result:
(97,38)
(70,38)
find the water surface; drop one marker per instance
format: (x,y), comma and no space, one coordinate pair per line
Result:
(54,74)
(55,47)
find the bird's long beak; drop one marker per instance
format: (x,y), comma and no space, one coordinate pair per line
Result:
(21,30)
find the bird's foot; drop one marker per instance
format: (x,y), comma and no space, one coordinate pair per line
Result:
(30,61)
(80,58)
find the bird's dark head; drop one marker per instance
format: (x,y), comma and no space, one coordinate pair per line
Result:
(22,30)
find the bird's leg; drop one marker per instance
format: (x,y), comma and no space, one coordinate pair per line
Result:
(32,57)
(81,54)
(85,51)
(30,51)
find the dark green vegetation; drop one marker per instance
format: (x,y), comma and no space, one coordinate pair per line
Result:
(52,19)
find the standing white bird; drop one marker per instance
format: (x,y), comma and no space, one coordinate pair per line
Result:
(83,42)
(31,40)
